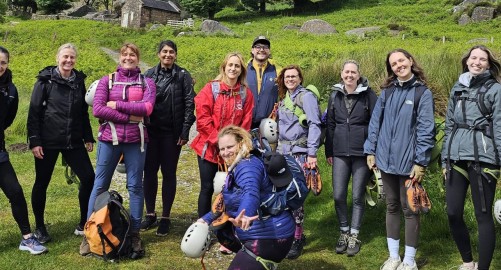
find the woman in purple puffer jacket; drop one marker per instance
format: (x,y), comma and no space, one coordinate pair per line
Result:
(122,102)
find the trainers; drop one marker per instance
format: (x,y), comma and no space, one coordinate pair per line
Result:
(353,245)
(404,266)
(163,227)
(342,243)
(79,230)
(472,267)
(149,222)
(84,247)
(391,264)
(137,246)
(42,235)
(32,245)
(297,248)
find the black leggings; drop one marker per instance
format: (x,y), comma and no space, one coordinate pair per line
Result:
(273,250)
(163,153)
(457,187)
(207,172)
(79,161)
(14,192)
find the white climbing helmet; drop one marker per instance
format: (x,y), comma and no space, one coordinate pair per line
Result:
(196,240)
(121,167)
(269,130)
(219,179)
(497,210)
(89,96)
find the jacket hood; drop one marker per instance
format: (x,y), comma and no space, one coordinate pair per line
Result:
(468,79)
(128,72)
(363,85)
(49,73)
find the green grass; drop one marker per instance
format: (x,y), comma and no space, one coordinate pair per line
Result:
(33,45)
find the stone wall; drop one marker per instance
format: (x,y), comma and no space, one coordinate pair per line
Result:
(66,17)
(131,14)
(150,15)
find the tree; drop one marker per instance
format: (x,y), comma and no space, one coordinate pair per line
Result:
(207,8)
(25,4)
(53,6)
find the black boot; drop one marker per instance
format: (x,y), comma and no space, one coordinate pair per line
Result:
(137,246)
(297,248)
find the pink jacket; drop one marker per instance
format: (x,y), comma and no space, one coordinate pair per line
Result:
(130,100)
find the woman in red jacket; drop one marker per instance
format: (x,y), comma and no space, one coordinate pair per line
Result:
(224,101)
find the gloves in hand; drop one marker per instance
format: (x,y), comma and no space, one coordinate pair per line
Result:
(418,172)
(371,162)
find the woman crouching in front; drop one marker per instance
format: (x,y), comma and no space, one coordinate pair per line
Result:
(267,240)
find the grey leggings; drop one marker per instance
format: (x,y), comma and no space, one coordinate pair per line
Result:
(394,189)
(342,169)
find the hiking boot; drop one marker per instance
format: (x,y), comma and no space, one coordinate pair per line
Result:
(391,264)
(137,247)
(472,267)
(42,235)
(84,247)
(353,245)
(342,243)
(404,266)
(163,227)
(297,248)
(32,245)
(149,222)
(79,230)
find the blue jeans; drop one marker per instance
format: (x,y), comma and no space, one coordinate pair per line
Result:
(108,156)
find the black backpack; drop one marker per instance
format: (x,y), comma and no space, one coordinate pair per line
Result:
(108,227)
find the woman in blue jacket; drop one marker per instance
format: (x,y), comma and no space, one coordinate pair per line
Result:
(401,136)
(348,114)
(268,239)
(470,155)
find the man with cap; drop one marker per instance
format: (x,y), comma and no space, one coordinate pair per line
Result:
(261,74)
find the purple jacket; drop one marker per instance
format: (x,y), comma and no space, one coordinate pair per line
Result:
(123,95)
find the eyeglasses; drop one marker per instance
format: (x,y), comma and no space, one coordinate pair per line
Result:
(291,77)
(261,47)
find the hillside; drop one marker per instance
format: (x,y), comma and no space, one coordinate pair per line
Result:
(428,29)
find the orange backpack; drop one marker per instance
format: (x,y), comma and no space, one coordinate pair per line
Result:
(108,227)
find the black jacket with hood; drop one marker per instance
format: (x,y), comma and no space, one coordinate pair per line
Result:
(58,116)
(9,101)
(178,116)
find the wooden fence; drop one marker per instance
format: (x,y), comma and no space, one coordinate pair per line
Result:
(180,24)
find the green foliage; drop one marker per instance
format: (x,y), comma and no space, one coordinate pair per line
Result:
(205,7)
(53,6)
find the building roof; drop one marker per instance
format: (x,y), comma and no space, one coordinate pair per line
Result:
(162,5)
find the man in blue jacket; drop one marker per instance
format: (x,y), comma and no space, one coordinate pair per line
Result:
(261,75)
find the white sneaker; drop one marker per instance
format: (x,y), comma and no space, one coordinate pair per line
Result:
(391,264)
(404,266)
(463,267)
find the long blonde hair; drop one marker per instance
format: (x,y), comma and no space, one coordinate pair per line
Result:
(243,75)
(242,137)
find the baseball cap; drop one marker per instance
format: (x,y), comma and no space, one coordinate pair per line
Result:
(277,169)
(262,40)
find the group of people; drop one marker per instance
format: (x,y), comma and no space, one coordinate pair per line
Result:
(145,120)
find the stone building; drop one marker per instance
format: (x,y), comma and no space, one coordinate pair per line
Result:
(137,13)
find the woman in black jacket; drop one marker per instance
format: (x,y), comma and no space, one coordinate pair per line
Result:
(58,122)
(8,180)
(348,115)
(168,131)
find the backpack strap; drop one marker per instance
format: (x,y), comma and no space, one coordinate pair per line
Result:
(216,90)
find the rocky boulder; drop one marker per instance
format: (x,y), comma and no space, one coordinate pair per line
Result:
(360,32)
(464,19)
(82,11)
(317,26)
(210,26)
(481,14)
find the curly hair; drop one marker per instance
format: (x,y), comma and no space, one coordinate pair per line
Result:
(242,137)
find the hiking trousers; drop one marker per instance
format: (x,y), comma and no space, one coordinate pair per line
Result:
(456,190)
(207,172)
(14,192)
(396,202)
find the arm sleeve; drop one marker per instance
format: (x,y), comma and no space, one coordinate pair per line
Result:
(374,124)
(189,105)
(331,126)
(35,114)
(143,107)
(310,107)
(449,123)
(11,113)
(99,108)
(425,129)
(496,116)
(204,106)
(87,129)
(249,177)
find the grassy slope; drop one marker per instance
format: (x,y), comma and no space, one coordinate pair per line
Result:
(33,45)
